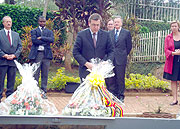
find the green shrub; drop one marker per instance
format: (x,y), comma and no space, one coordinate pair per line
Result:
(26,16)
(144,67)
(21,16)
(143,29)
(155,26)
(18,81)
(58,82)
(138,81)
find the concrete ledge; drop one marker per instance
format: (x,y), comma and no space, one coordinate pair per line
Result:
(57,94)
(141,115)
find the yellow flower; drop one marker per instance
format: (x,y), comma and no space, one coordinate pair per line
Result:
(96,79)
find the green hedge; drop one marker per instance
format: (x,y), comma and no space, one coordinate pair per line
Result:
(21,16)
(150,26)
(138,81)
(26,16)
(144,68)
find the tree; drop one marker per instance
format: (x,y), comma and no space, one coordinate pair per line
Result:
(9,1)
(38,4)
(45,8)
(130,23)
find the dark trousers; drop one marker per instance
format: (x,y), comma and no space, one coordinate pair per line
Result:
(116,84)
(11,75)
(43,69)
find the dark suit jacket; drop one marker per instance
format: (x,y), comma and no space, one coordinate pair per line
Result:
(47,37)
(122,47)
(6,48)
(84,49)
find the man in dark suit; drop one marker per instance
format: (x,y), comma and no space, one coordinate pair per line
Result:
(41,52)
(10,49)
(92,43)
(122,41)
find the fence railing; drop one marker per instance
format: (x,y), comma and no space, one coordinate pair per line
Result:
(151,11)
(150,47)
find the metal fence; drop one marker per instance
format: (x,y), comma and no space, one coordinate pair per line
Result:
(151,11)
(150,48)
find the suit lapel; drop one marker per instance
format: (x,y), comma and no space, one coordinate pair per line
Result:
(89,36)
(5,37)
(12,35)
(38,30)
(113,35)
(120,34)
(99,36)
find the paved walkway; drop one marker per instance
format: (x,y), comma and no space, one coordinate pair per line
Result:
(135,103)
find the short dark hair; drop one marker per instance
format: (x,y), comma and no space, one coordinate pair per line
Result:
(95,16)
(41,17)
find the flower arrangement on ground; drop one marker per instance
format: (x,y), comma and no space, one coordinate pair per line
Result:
(92,98)
(27,99)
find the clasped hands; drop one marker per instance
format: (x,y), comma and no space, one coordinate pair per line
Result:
(9,57)
(90,65)
(176,52)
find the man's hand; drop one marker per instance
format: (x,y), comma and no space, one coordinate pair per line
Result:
(5,56)
(9,57)
(39,38)
(89,65)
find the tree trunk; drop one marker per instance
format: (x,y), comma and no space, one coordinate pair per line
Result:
(67,61)
(70,39)
(68,54)
(45,7)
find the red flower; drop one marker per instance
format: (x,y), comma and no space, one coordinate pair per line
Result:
(14,101)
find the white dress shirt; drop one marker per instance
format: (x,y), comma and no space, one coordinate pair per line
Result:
(118,31)
(6,31)
(41,47)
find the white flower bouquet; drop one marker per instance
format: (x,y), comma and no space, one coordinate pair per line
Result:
(91,98)
(27,100)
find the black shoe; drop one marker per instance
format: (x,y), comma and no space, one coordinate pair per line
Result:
(172,104)
(122,100)
(44,96)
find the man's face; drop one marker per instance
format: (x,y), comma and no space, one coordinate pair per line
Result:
(110,25)
(42,22)
(94,25)
(117,23)
(7,23)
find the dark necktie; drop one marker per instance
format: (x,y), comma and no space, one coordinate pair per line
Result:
(9,37)
(42,28)
(116,36)
(94,39)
